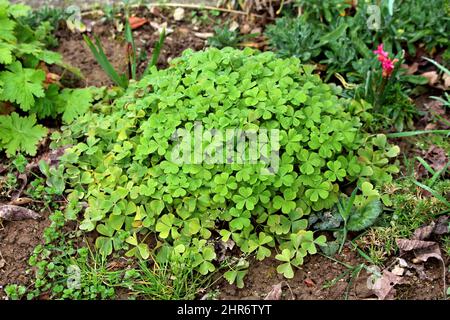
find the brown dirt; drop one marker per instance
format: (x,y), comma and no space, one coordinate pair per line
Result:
(17,241)
(319,271)
(76,53)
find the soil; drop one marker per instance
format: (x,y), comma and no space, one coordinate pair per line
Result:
(76,53)
(312,281)
(17,241)
(18,238)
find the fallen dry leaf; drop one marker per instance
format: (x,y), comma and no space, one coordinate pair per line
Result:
(14,213)
(430,252)
(398,271)
(411,69)
(432,77)
(383,287)
(409,245)
(224,247)
(275,293)
(424,232)
(442,225)
(6,108)
(136,22)
(446,79)
(155,11)
(20,201)
(309,282)
(435,156)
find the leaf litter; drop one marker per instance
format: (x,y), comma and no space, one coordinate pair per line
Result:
(382,283)
(424,249)
(15,213)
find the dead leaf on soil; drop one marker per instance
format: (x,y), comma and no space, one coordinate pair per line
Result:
(442,225)
(432,77)
(309,282)
(424,232)
(398,271)
(136,22)
(409,245)
(435,156)
(20,201)
(383,287)
(446,79)
(431,252)
(224,247)
(15,213)
(275,293)
(411,69)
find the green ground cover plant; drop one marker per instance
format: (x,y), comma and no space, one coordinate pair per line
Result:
(122,164)
(25,86)
(342,37)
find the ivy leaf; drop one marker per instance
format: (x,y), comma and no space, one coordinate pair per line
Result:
(20,134)
(22,85)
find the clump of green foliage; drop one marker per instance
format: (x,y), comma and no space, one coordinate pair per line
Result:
(123,167)
(225,37)
(48,18)
(341,37)
(402,24)
(23,84)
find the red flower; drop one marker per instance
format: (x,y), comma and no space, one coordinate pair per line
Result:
(381,53)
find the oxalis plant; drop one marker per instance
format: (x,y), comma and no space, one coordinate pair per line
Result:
(126,183)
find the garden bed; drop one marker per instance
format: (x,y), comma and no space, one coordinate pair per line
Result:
(342,275)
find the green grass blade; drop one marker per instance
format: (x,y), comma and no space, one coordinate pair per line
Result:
(433,192)
(103,61)
(437,174)
(415,133)
(156,51)
(131,56)
(425,165)
(439,66)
